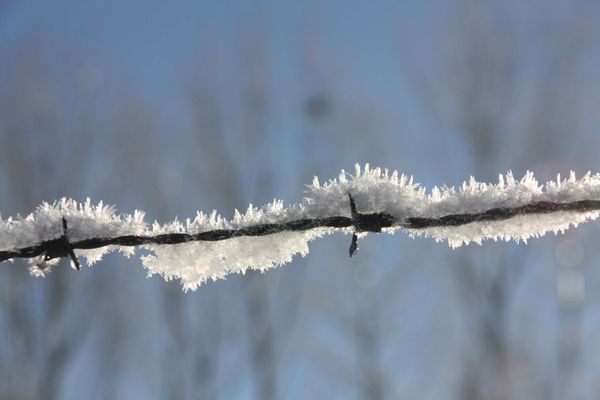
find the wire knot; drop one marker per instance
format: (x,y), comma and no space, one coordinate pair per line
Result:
(366,223)
(60,247)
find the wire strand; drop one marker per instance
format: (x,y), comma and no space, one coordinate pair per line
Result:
(374,222)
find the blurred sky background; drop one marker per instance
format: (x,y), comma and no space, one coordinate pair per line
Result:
(173,107)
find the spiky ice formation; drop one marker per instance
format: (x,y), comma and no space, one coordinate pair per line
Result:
(374,190)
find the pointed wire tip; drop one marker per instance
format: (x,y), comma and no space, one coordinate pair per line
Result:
(353,245)
(353,207)
(353,210)
(68,246)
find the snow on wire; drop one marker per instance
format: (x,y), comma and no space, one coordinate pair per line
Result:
(371,200)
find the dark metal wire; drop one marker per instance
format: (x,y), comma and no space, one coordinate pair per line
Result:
(375,222)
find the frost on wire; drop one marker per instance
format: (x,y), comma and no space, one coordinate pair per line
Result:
(374,191)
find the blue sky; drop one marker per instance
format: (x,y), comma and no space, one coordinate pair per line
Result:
(367,54)
(155,45)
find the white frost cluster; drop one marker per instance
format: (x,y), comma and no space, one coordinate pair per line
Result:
(85,220)
(374,190)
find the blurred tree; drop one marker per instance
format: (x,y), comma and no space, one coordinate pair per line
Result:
(556,111)
(348,301)
(481,81)
(482,63)
(46,149)
(56,128)
(233,166)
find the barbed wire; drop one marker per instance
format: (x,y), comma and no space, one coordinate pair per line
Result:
(373,222)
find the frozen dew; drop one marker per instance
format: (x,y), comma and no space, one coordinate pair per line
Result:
(373,189)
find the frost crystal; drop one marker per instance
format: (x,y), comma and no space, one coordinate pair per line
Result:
(374,190)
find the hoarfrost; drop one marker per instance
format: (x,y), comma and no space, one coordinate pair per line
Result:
(373,189)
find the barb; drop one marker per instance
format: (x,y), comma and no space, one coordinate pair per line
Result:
(374,222)
(367,223)
(58,248)
(354,244)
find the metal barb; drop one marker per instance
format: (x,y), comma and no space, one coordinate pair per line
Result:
(69,246)
(353,208)
(60,247)
(354,243)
